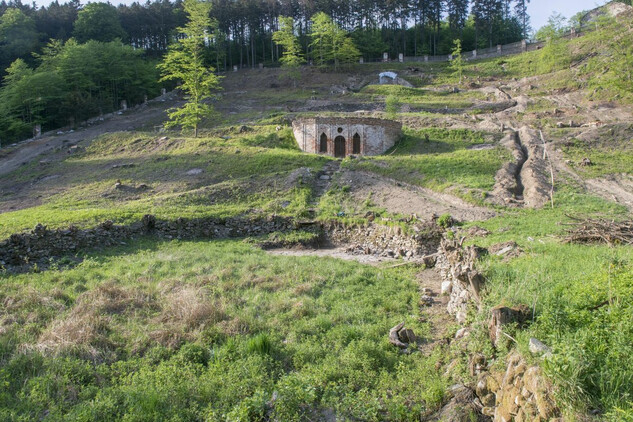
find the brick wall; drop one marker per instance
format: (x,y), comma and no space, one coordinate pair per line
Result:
(377,135)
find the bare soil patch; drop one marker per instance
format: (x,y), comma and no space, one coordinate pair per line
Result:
(338,253)
(132,119)
(617,188)
(401,198)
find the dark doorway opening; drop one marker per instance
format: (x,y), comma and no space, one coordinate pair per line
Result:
(323,143)
(356,144)
(339,147)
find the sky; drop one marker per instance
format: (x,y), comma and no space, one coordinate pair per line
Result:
(539,10)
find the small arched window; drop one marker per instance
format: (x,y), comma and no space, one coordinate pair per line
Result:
(356,144)
(323,143)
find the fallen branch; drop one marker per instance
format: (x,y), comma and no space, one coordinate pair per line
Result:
(599,231)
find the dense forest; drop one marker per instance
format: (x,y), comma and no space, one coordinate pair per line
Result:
(243,34)
(65,62)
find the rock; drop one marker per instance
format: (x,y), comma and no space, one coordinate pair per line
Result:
(462,332)
(461,316)
(447,286)
(503,315)
(477,231)
(488,411)
(406,335)
(194,172)
(123,166)
(429,261)
(538,348)
(324,177)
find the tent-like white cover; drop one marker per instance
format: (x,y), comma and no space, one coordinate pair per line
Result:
(391,75)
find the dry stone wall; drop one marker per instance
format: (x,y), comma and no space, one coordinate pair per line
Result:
(40,244)
(461,282)
(387,241)
(521,392)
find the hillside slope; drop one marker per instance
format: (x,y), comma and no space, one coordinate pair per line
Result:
(194,324)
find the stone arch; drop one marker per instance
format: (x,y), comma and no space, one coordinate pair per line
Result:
(340,147)
(356,143)
(323,143)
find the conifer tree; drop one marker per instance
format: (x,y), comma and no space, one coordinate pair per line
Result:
(184,62)
(457,62)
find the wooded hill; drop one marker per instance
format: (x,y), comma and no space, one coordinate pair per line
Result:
(243,35)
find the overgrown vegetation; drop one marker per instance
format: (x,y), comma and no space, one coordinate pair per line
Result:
(212,331)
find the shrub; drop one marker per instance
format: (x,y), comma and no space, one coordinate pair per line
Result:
(259,344)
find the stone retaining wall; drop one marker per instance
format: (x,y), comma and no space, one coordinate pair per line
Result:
(388,241)
(519,393)
(41,244)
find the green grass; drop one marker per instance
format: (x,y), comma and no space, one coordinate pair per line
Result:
(422,97)
(611,156)
(441,162)
(591,366)
(212,330)
(246,172)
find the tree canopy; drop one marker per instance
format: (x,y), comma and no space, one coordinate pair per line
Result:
(99,22)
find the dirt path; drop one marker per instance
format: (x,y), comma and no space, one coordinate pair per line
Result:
(617,188)
(434,313)
(402,198)
(132,119)
(338,253)
(324,180)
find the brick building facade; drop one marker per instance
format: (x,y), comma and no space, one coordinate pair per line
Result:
(343,136)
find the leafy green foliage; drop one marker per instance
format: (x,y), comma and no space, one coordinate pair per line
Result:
(330,43)
(291,57)
(392,106)
(99,22)
(18,36)
(73,81)
(185,63)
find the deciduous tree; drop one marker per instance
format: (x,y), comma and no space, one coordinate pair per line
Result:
(291,58)
(99,22)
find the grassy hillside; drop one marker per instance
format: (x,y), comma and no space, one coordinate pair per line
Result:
(221,330)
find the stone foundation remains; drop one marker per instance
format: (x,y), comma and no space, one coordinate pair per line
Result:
(23,250)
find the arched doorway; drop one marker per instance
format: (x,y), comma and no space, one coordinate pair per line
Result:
(356,144)
(323,143)
(339,147)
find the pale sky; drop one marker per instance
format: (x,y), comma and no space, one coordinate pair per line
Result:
(539,10)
